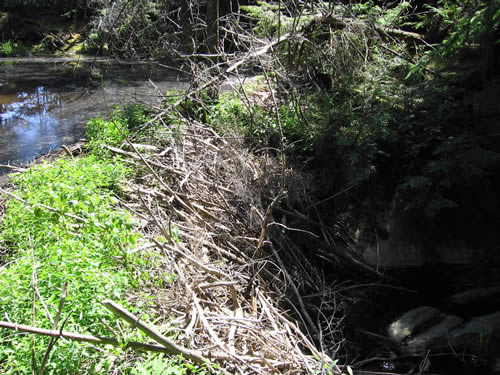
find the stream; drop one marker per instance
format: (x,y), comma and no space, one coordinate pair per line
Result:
(46,102)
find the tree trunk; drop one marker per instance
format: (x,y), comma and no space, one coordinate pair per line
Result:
(216,9)
(187,27)
(489,46)
(213,26)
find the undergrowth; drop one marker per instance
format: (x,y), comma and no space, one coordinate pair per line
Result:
(93,255)
(92,258)
(126,120)
(10,48)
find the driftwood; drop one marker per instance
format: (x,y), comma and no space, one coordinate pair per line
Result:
(193,189)
(13,168)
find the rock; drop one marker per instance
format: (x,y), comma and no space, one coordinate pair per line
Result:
(454,252)
(436,336)
(480,335)
(413,321)
(474,295)
(427,328)
(394,254)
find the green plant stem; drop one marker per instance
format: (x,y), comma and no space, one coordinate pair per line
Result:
(53,340)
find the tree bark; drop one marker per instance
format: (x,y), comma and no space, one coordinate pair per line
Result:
(216,9)
(187,26)
(489,46)
(213,26)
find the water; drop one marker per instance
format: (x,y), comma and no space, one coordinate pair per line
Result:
(45,103)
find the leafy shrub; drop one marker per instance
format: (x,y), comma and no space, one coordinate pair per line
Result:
(7,48)
(460,26)
(268,19)
(133,115)
(255,123)
(101,132)
(92,257)
(160,365)
(10,48)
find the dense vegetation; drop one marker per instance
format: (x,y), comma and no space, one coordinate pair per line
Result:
(82,247)
(392,106)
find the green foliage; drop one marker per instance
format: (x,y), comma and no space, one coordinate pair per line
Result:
(230,113)
(133,115)
(356,121)
(231,116)
(395,16)
(85,241)
(160,365)
(464,25)
(92,257)
(468,24)
(7,48)
(299,134)
(101,132)
(258,123)
(364,124)
(183,106)
(268,19)
(10,48)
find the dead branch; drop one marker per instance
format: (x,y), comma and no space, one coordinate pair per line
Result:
(170,346)
(83,338)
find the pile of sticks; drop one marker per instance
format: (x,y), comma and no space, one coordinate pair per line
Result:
(205,197)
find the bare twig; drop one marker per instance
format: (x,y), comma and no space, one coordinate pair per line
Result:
(151,332)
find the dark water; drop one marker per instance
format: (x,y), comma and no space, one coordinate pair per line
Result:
(45,103)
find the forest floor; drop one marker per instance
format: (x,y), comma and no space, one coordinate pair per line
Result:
(41,35)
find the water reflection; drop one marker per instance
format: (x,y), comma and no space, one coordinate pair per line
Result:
(29,106)
(33,121)
(44,104)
